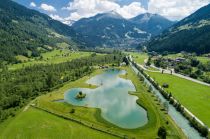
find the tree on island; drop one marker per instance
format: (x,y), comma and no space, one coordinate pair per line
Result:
(80,95)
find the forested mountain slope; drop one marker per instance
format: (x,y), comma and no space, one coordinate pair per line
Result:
(28,32)
(190,34)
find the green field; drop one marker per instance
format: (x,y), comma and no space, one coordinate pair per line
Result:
(37,124)
(173,56)
(193,96)
(34,123)
(53,57)
(138,57)
(203,60)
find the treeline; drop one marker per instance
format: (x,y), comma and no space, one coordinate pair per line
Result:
(18,87)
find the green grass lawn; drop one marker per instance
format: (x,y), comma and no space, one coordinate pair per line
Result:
(53,57)
(173,56)
(194,96)
(203,60)
(153,69)
(37,124)
(138,57)
(34,123)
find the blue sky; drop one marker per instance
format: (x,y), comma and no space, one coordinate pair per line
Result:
(68,10)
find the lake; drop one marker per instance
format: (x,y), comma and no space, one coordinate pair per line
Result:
(112,97)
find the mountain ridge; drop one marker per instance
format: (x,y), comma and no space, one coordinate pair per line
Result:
(152,23)
(111,29)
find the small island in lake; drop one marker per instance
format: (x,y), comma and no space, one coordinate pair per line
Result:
(80,95)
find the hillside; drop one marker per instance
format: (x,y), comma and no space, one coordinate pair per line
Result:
(27,32)
(152,23)
(190,34)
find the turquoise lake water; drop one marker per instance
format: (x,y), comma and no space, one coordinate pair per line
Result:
(112,97)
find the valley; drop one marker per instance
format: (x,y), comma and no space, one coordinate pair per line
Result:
(71,71)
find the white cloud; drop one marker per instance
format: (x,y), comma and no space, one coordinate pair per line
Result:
(67,20)
(32,4)
(48,8)
(57,17)
(87,8)
(176,9)
(132,10)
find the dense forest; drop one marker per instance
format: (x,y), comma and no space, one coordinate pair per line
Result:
(27,32)
(18,87)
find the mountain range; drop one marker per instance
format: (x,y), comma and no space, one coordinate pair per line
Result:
(28,32)
(112,30)
(190,34)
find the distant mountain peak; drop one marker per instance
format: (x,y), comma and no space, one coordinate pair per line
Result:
(153,23)
(110,14)
(146,17)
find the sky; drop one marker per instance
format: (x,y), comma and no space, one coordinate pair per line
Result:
(67,11)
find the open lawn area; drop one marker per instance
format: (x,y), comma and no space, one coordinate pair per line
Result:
(203,60)
(53,57)
(34,123)
(193,96)
(38,124)
(138,57)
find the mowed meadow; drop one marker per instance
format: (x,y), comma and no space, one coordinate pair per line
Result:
(34,123)
(53,57)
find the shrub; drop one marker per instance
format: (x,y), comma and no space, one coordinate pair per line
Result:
(165,85)
(204,131)
(162,133)
(72,111)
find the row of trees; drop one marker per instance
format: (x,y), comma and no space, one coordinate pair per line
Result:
(17,87)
